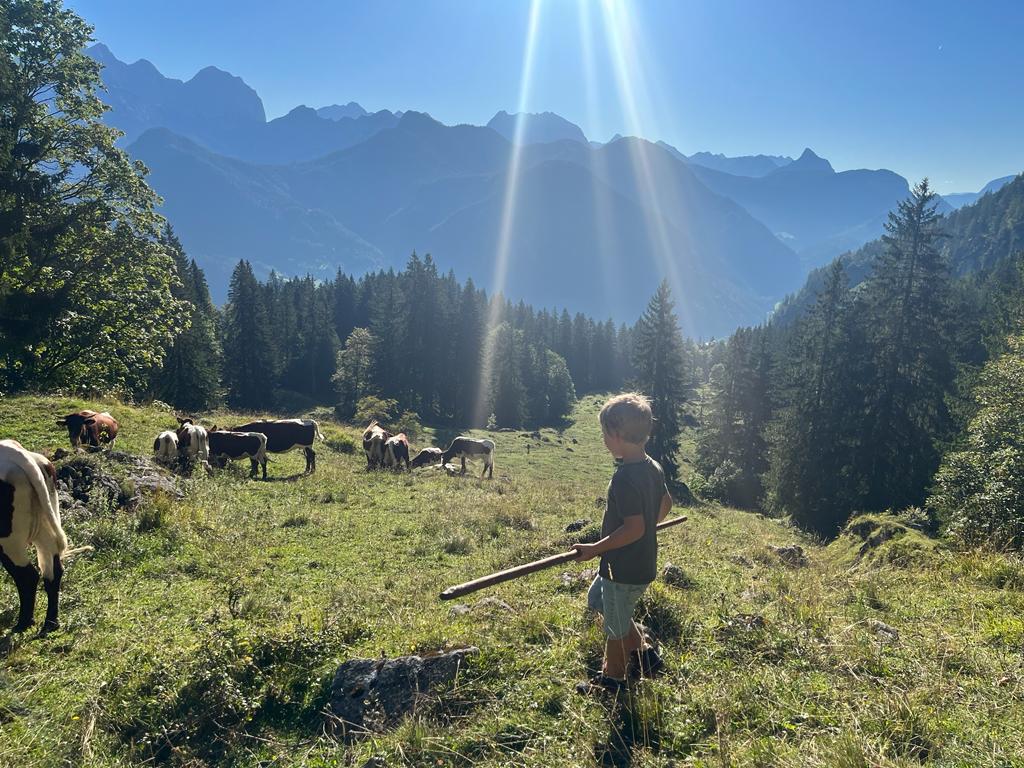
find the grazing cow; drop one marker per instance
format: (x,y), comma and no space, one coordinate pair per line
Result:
(427,456)
(285,434)
(90,428)
(462,447)
(30,514)
(165,447)
(239,445)
(396,450)
(374,438)
(193,443)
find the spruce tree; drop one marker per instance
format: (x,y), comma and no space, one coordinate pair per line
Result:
(660,374)
(908,302)
(249,355)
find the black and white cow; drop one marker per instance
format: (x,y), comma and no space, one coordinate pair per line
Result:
(463,447)
(285,434)
(396,450)
(165,447)
(425,457)
(239,445)
(30,514)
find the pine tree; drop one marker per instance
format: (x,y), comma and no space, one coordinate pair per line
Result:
(249,354)
(658,359)
(189,377)
(908,302)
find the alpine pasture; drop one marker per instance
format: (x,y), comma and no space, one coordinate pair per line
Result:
(206,630)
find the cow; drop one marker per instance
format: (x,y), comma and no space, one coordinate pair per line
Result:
(90,428)
(426,456)
(30,514)
(285,434)
(374,438)
(396,450)
(462,447)
(193,443)
(165,447)
(239,445)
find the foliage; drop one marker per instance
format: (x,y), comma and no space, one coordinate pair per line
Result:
(85,299)
(661,374)
(250,355)
(354,374)
(979,490)
(373,408)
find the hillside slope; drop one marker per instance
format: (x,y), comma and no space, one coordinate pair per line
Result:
(205,631)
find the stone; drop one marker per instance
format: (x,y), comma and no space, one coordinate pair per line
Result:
(372,695)
(576,581)
(459,609)
(489,603)
(883,631)
(792,555)
(675,576)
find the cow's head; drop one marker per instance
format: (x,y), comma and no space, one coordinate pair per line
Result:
(183,422)
(77,426)
(184,433)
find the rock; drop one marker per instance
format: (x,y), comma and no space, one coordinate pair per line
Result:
(577,525)
(459,609)
(575,441)
(372,695)
(489,603)
(883,631)
(576,581)
(60,453)
(792,555)
(675,576)
(84,483)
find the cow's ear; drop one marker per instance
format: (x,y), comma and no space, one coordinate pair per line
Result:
(89,422)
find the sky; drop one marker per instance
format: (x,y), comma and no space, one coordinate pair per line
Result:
(922,88)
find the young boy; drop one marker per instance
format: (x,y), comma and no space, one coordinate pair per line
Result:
(638,500)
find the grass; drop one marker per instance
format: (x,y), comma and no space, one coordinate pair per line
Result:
(205,631)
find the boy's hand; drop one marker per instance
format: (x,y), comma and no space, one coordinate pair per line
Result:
(585,552)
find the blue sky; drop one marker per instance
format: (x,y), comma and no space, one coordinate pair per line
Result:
(923,88)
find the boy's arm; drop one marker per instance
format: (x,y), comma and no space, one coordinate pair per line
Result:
(666,506)
(632,529)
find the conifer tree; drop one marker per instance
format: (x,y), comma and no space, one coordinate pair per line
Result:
(660,374)
(249,355)
(907,301)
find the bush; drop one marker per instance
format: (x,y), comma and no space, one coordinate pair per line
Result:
(371,408)
(409,423)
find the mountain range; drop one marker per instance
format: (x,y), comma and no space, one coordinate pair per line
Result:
(595,226)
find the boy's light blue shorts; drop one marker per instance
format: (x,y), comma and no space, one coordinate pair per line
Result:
(615,602)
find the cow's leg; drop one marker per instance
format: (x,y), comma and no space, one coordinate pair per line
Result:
(253,466)
(310,459)
(52,586)
(490,469)
(26,579)
(463,457)
(263,463)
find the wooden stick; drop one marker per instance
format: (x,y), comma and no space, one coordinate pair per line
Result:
(527,568)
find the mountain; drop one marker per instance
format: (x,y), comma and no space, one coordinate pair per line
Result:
(978,236)
(338,111)
(817,212)
(585,233)
(960,199)
(538,128)
(222,113)
(745,165)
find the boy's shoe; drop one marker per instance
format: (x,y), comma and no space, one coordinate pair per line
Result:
(601,683)
(647,662)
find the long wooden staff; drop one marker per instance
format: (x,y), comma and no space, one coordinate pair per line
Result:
(522,570)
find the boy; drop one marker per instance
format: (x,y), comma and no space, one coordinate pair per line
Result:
(638,500)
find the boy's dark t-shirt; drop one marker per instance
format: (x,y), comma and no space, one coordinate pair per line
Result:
(636,488)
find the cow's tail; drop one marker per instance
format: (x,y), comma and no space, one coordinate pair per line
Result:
(319,434)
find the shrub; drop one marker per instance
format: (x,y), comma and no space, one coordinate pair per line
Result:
(372,408)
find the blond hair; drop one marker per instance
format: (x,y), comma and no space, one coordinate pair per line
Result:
(628,416)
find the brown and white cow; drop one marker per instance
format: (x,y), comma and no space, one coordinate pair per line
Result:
(463,447)
(426,456)
(89,428)
(30,514)
(374,438)
(226,445)
(193,444)
(396,450)
(285,434)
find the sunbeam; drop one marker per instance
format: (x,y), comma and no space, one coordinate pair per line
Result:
(507,218)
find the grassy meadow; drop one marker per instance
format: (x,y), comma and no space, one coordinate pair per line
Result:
(206,630)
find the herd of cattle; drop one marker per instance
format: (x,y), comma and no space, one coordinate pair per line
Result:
(30,512)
